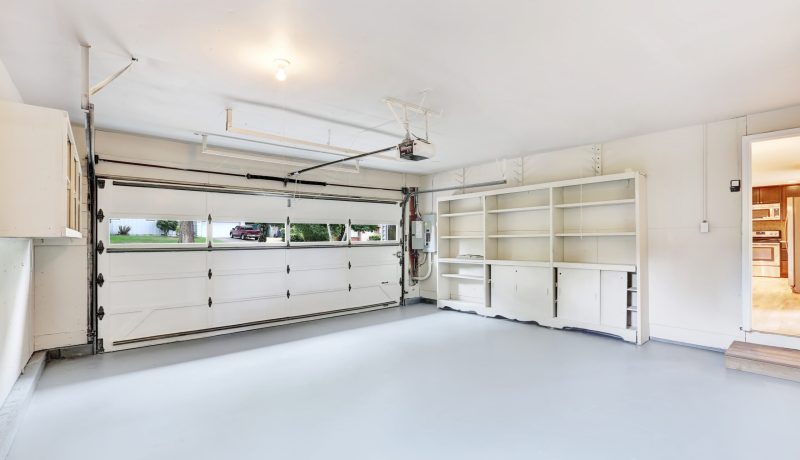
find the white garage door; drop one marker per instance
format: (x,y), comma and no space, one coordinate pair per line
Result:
(180,264)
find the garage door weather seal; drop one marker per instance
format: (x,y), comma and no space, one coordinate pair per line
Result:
(251,324)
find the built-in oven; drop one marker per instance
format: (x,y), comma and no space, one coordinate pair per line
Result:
(767,253)
(770,211)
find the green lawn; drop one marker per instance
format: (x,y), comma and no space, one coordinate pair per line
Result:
(149,239)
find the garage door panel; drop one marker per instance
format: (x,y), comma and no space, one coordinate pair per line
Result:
(246,311)
(148,323)
(146,202)
(248,286)
(155,264)
(301,259)
(244,261)
(158,293)
(307,281)
(369,276)
(374,294)
(304,304)
(377,255)
(255,208)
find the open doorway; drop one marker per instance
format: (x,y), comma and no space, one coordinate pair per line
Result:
(773,221)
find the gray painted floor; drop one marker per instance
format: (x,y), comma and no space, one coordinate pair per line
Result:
(413,383)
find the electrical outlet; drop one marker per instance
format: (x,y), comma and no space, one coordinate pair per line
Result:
(704,226)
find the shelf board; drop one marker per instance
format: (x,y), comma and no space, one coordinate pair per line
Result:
(529,208)
(455,237)
(521,263)
(632,309)
(588,234)
(522,235)
(463,277)
(633,289)
(456,260)
(595,266)
(462,214)
(596,203)
(70,233)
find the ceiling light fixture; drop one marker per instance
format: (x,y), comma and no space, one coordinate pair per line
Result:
(282,65)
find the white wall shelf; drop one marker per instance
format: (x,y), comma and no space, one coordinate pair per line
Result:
(550,255)
(463,277)
(522,235)
(463,214)
(596,203)
(525,209)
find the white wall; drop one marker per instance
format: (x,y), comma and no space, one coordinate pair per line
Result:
(695,278)
(16,288)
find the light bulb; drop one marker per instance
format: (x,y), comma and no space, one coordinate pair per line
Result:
(282,64)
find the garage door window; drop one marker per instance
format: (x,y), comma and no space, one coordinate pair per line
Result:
(156,231)
(318,233)
(248,233)
(373,233)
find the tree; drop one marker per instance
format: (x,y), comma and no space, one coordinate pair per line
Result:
(318,232)
(186,231)
(167,226)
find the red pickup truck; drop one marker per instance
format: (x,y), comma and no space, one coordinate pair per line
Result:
(246,231)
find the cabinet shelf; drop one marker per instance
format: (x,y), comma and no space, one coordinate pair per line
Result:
(455,260)
(596,203)
(522,235)
(595,234)
(521,263)
(462,277)
(455,237)
(524,209)
(596,266)
(462,214)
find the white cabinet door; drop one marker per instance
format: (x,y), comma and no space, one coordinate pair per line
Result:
(613,298)
(535,291)
(522,293)
(579,295)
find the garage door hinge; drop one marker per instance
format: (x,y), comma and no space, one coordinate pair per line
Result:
(349,287)
(100,215)
(101,313)
(209,302)
(101,183)
(209,217)
(100,348)
(349,265)
(288,269)
(287,294)
(100,279)
(100,247)
(209,273)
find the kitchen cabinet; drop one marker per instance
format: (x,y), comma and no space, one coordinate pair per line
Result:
(767,195)
(40,173)
(579,295)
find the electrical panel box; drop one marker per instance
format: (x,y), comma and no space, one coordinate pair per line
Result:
(423,233)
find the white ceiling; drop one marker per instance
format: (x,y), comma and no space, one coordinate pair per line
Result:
(511,77)
(776,162)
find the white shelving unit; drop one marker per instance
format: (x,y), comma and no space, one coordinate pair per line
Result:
(562,254)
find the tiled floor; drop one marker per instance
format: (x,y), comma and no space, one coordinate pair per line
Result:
(409,383)
(776,308)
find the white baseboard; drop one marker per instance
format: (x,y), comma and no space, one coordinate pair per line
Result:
(706,339)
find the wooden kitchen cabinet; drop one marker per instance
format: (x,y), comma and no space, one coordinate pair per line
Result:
(767,195)
(40,173)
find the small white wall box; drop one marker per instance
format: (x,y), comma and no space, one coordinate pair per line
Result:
(417,235)
(40,173)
